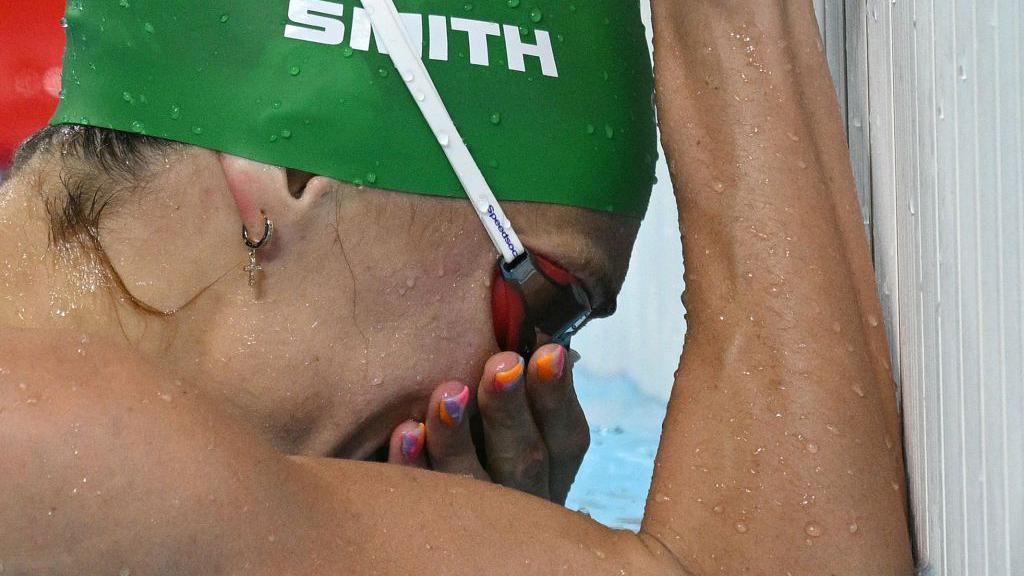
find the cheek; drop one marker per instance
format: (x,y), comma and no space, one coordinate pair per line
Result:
(443,333)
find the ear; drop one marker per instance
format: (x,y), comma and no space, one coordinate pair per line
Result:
(263,190)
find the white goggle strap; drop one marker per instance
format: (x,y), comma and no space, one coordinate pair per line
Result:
(387,25)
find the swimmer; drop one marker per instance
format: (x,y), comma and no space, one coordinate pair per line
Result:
(187,433)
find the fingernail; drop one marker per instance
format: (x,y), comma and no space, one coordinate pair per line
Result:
(413,441)
(551,366)
(508,380)
(451,409)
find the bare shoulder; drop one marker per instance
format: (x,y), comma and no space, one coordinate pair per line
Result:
(47,357)
(100,453)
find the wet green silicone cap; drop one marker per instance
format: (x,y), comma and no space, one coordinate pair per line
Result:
(553,98)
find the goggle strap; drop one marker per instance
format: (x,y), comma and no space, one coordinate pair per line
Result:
(387,24)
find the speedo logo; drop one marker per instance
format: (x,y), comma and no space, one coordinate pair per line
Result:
(501,230)
(320,21)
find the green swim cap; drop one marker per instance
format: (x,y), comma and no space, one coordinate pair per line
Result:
(553,97)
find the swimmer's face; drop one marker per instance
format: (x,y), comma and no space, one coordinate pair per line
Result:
(382,296)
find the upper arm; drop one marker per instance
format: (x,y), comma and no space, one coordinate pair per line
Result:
(103,470)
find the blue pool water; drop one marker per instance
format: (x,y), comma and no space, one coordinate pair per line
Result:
(625,425)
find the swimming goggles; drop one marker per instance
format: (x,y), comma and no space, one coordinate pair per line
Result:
(533,300)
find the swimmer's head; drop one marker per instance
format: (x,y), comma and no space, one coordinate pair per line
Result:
(367,299)
(378,267)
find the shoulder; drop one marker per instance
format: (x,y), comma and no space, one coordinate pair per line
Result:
(93,441)
(47,357)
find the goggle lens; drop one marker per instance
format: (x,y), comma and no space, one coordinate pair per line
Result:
(534,300)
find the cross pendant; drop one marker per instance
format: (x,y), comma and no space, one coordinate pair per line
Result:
(252,268)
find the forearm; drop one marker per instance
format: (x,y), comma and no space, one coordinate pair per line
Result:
(781,450)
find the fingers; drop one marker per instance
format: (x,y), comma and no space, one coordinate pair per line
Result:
(558,415)
(516,454)
(407,445)
(449,442)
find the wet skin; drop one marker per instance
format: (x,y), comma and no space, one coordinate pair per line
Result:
(777,210)
(367,302)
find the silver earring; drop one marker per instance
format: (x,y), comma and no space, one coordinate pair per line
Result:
(253,267)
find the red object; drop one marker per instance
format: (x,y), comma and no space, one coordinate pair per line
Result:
(31,49)
(507,307)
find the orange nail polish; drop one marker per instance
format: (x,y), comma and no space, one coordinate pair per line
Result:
(508,380)
(551,366)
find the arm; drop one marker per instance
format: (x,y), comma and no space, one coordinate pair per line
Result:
(783,431)
(108,465)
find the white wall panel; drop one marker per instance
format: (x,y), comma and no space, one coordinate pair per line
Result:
(944,98)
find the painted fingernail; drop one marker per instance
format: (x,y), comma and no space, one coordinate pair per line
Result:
(551,366)
(508,380)
(413,442)
(451,409)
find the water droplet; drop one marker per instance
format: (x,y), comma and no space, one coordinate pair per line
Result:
(273,137)
(148,28)
(857,390)
(793,137)
(123,4)
(286,133)
(718,186)
(420,96)
(224,18)
(591,129)
(873,321)
(371,177)
(609,131)
(496,118)
(347,52)
(853,528)
(513,3)
(383,72)
(127,97)
(443,139)
(137,127)
(536,15)
(63,22)
(197,129)
(408,76)
(276,104)
(741,527)
(813,530)
(295,70)
(812,447)
(175,112)
(717,509)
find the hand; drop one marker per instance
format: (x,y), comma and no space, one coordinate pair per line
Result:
(533,431)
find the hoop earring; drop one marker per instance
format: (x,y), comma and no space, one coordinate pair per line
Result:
(268,232)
